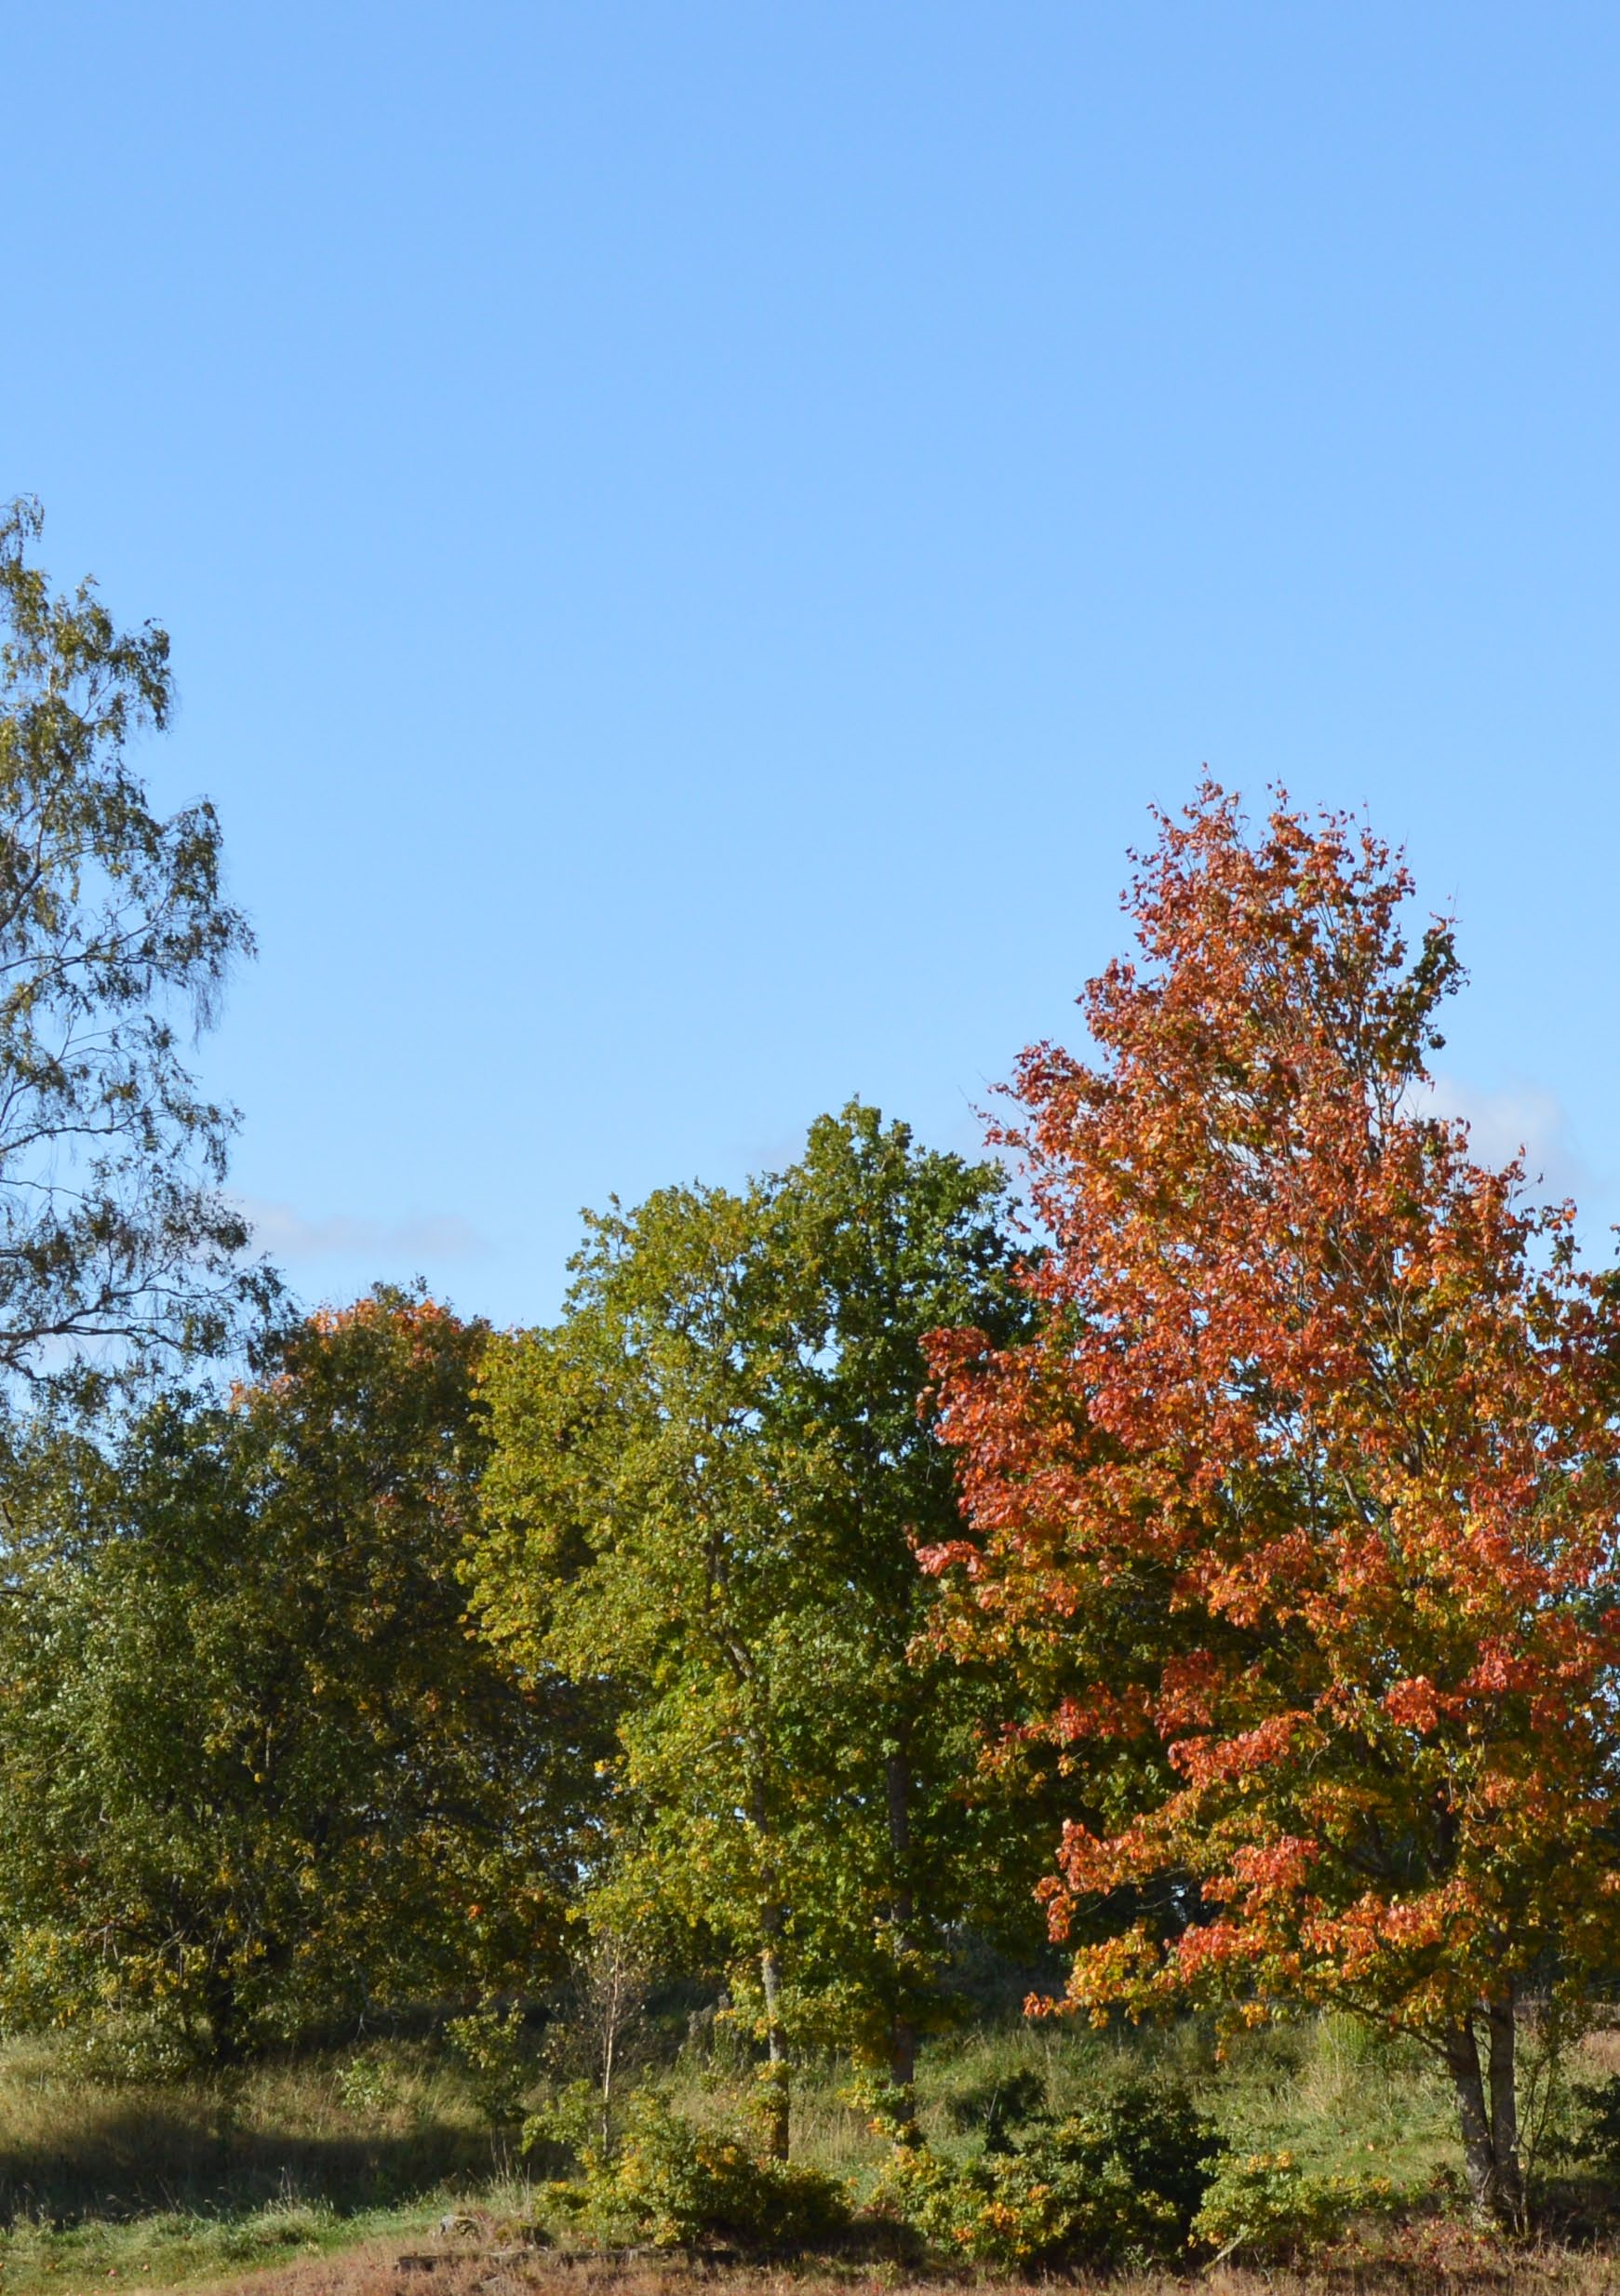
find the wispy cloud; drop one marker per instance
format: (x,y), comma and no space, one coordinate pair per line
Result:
(288,1234)
(1524,1120)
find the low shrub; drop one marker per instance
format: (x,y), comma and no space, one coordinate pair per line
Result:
(367,2086)
(996,2107)
(1594,2141)
(135,2047)
(1119,2184)
(1265,2207)
(676,2185)
(493,2049)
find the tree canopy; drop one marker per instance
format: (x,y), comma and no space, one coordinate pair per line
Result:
(260,1775)
(114,930)
(706,1487)
(1310,1470)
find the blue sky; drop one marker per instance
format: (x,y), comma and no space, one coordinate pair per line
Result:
(693,535)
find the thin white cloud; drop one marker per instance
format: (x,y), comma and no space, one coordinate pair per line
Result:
(288,1234)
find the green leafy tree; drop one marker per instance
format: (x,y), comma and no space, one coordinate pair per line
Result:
(115,1239)
(262,1776)
(706,1488)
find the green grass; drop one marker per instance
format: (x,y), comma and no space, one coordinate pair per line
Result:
(122,2181)
(173,2246)
(1328,2089)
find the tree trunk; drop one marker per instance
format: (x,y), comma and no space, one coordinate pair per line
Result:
(609,2052)
(1490,2128)
(902,2034)
(1508,2175)
(612,1991)
(1462,2054)
(225,2043)
(777,2096)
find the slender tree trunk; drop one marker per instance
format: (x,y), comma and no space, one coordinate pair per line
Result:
(226,2047)
(902,2033)
(1462,2053)
(778,2098)
(612,1990)
(1506,2167)
(771,1978)
(609,2052)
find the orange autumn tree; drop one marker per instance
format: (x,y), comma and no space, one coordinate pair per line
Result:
(1303,1500)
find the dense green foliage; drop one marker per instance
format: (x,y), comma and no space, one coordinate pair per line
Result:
(707,1488)
(671,2182)
(260,1776)
(1120,2182)
(1267,2207)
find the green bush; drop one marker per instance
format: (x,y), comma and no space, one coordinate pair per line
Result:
(996,2107)
(1119,2184)
(1266,2207)
(1596,2140)
(367,2086)
(676,2185)
(495,2052)
(141,2046)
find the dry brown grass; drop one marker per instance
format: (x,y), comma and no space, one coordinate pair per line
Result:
(1436,2260)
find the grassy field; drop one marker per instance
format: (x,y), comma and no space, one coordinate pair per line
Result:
(329,2165)
(110,2181)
